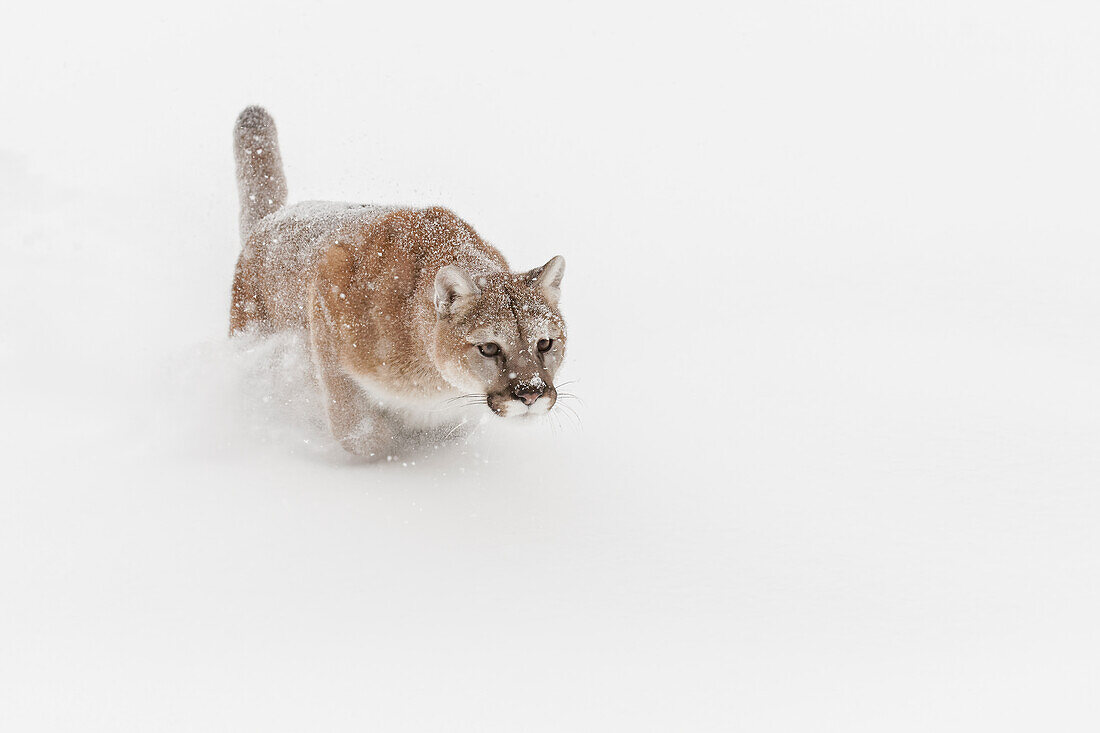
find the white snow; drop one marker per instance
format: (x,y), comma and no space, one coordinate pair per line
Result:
(833,313)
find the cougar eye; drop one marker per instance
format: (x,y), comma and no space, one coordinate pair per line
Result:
(489,349)
(545,344)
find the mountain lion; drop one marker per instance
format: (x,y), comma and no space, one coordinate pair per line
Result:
(410,315)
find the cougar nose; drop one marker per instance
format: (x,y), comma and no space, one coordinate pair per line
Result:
(528,395)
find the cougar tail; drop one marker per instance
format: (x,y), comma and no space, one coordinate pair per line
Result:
(260,178)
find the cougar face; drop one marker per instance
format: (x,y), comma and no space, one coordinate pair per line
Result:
(501,335)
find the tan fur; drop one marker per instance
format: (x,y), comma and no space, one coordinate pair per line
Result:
(395,302)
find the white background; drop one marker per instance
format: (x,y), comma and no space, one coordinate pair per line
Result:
(833,291)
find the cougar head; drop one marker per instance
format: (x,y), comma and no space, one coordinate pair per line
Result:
(501,334)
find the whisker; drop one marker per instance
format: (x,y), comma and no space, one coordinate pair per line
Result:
(452,430)
(570,396)
(452,407)
(568,410)
(463,397)
(561,409)
(467,401)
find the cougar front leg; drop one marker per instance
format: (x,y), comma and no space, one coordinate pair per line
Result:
(360,426)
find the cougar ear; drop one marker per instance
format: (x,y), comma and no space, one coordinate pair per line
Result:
(454,289)
(547,279)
